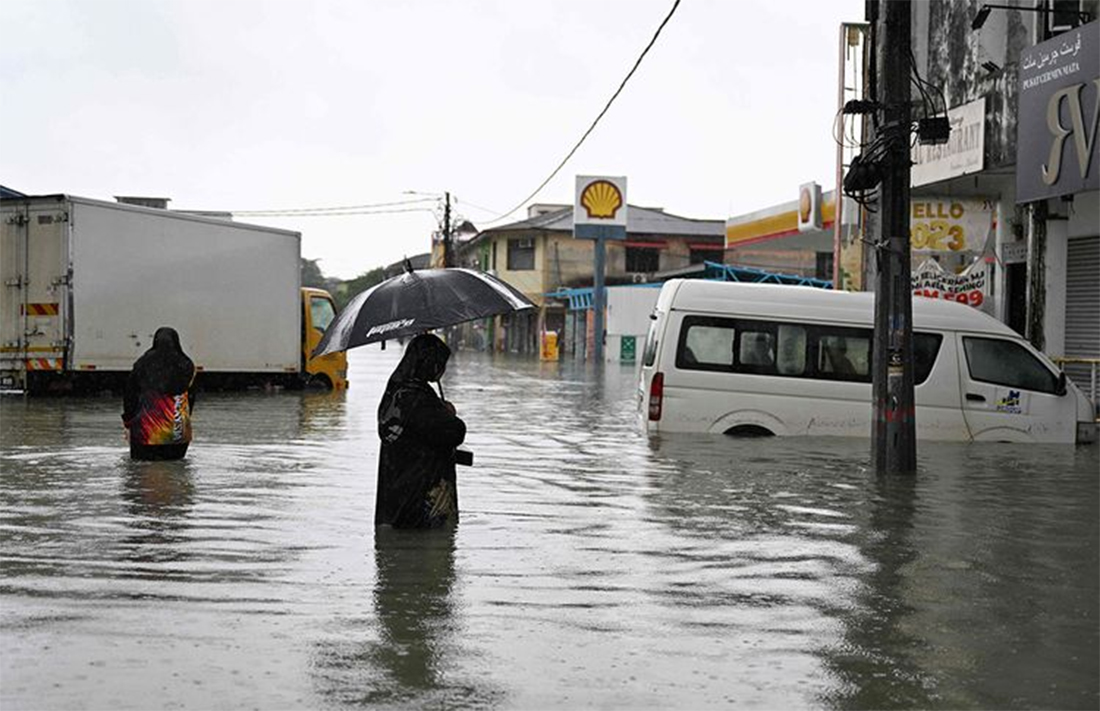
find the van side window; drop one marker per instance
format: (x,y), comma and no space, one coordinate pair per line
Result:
(820,352)
(705,344)
(792,350)
(844,356)
(992,360)
(926,346)
(756,352)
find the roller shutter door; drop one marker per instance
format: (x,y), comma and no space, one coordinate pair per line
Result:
(1083,308)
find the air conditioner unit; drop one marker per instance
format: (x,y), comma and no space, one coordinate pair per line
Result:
(638,278)
(525,243)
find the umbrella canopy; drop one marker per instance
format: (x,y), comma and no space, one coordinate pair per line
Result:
(419,301)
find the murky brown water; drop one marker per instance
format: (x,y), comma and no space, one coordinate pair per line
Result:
(592,567)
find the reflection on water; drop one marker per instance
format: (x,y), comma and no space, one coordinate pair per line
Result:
(593,567)
(159,498)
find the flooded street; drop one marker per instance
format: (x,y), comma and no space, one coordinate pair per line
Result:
(592,567)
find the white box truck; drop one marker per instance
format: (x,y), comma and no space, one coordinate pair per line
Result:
(86,283)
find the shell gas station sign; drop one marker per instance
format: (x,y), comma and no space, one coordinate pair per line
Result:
(599,207)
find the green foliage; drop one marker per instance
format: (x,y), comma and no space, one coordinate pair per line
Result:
(348,290)
(311,274)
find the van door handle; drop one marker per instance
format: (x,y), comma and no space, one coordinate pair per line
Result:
(974,397)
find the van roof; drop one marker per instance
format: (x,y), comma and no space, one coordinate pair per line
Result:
(805,303)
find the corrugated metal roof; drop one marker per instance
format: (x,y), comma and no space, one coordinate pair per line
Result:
(640,221)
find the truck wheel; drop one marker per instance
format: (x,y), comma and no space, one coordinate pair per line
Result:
(318,382)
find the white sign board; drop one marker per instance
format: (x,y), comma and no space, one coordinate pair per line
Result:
(600,200)
(962,153)
(950,224)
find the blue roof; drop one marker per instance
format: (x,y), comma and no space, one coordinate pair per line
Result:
(580,299)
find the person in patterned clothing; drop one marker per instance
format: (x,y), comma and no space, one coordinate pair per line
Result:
(159,397)
(419,431)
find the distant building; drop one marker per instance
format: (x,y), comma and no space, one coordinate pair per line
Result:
(539,255)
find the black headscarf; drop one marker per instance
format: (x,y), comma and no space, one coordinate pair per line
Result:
(164,368)
(424,361)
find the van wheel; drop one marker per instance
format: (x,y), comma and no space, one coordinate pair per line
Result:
(318,382)
(749,431)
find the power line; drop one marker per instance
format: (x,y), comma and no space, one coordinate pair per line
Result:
(565,160)
(304,210)
(331,213)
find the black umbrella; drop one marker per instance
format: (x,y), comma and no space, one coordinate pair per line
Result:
(419,301)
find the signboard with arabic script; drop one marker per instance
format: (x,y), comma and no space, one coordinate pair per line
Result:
(1057,148)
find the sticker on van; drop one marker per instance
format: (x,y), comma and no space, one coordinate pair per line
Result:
(1013,402)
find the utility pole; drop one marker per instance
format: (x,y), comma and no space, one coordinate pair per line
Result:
(599,297)
(448,248)
(893,449)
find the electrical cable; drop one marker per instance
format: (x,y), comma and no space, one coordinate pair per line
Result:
(303,210)
(334,213)
(614,96)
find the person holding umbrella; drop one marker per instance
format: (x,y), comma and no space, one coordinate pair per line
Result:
(417,487)
(419,429)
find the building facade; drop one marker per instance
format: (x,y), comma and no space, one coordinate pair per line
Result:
(1014,192)
(540,255)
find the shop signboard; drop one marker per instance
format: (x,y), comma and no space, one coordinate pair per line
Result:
(962,154)
(1056,136)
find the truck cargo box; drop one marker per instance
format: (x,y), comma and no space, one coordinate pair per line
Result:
(86,283)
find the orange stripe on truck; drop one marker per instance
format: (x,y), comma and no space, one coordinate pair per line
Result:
(40,309)
(43,364)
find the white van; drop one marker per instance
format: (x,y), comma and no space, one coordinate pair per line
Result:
(758,359)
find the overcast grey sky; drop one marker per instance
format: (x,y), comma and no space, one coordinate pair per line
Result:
(247,105)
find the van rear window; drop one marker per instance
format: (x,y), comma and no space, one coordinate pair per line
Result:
(790,350)
(650,355)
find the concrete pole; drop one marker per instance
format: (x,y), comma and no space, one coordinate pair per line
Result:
(894,427)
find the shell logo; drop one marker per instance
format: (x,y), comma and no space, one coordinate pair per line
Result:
(601,199)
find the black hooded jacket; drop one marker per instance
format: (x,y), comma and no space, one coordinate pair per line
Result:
(157,402)
(419,432)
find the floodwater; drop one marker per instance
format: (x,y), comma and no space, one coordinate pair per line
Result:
(592,567)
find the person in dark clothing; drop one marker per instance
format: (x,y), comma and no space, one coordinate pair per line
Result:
(157,402)
(419,431)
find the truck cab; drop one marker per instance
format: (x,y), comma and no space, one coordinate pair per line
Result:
(327,371)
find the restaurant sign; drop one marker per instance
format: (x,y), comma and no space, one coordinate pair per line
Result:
(962,154)
(1059,114)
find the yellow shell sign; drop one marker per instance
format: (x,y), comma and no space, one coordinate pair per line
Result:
(601,199)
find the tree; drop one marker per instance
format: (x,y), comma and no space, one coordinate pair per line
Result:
(311,274)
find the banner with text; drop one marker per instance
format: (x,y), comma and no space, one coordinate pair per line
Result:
(970,287)
(950,224)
